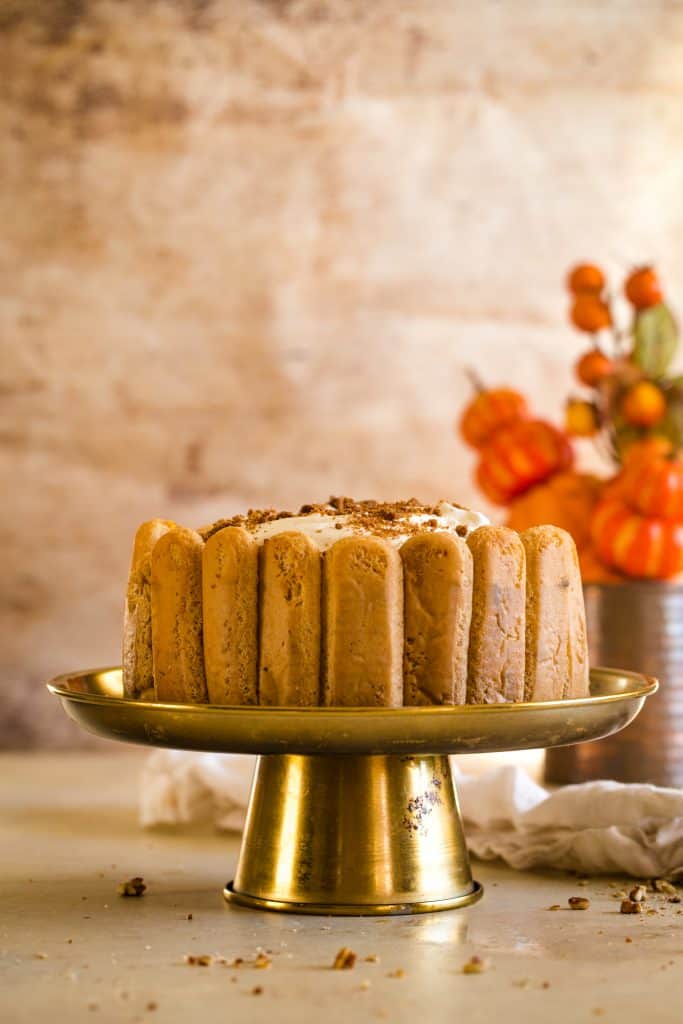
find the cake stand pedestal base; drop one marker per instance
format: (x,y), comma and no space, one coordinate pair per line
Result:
(353,835)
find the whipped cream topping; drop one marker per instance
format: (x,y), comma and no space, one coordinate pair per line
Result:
(395,523)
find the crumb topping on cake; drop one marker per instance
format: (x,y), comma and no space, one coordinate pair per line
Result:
(326,522)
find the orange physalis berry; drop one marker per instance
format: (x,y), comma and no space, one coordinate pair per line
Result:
(581,418)
(642,288)
(593,367)
(643,405)
(586,279)
(589,313)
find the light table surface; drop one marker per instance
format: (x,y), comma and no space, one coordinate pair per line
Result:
(72,950)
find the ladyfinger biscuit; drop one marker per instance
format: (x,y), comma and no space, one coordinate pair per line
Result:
(556,644)
(496,653)
(138,677)
(230,611)
(437,586)
(177,617)
(289,596)
(363,623)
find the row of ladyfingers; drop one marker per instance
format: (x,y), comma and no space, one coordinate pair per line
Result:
(438,620)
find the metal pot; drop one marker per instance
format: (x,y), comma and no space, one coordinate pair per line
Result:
(636,625)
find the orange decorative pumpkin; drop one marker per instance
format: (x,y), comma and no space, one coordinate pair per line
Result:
(595,571)
(655,488)
(651,481)
(566,500)
(641,546)
(523,454)
(488,412)
(653,446)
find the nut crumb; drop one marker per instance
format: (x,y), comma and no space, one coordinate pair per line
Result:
(674,899)
(620,894)
(189,917)
(578,903)
(545,984)
(638,894)
(661,885)
(344,960)
(398,973)
(257,990)
(372,958)
(365,985)
(151,1006)
(40,956)
(262,961)
(203,960)
(598,1011)
(628,939)
(630,907)
(555,906)
(93,1006)
(476,965)
(133,887)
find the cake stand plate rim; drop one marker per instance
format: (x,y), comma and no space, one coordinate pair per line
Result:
(89,698)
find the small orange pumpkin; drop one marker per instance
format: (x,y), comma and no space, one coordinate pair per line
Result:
(651,480)
(488,412)
(655,488)
(641,546)
(523,454)
(566,500)
(595,571)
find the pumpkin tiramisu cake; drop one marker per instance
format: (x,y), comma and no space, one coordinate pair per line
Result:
(354,603)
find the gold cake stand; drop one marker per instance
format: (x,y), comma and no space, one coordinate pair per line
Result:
(352,810)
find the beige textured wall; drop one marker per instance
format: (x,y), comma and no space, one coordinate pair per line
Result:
(247,248)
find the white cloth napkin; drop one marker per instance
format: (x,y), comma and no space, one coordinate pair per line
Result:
(595,828)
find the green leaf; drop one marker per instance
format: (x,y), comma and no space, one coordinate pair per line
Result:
(655,338)
(671,426)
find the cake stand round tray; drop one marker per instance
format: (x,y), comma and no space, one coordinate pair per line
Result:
(352,810)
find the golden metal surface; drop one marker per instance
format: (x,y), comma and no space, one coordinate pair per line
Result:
(352,810)
(93,699)
(241,899)
(377,833)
